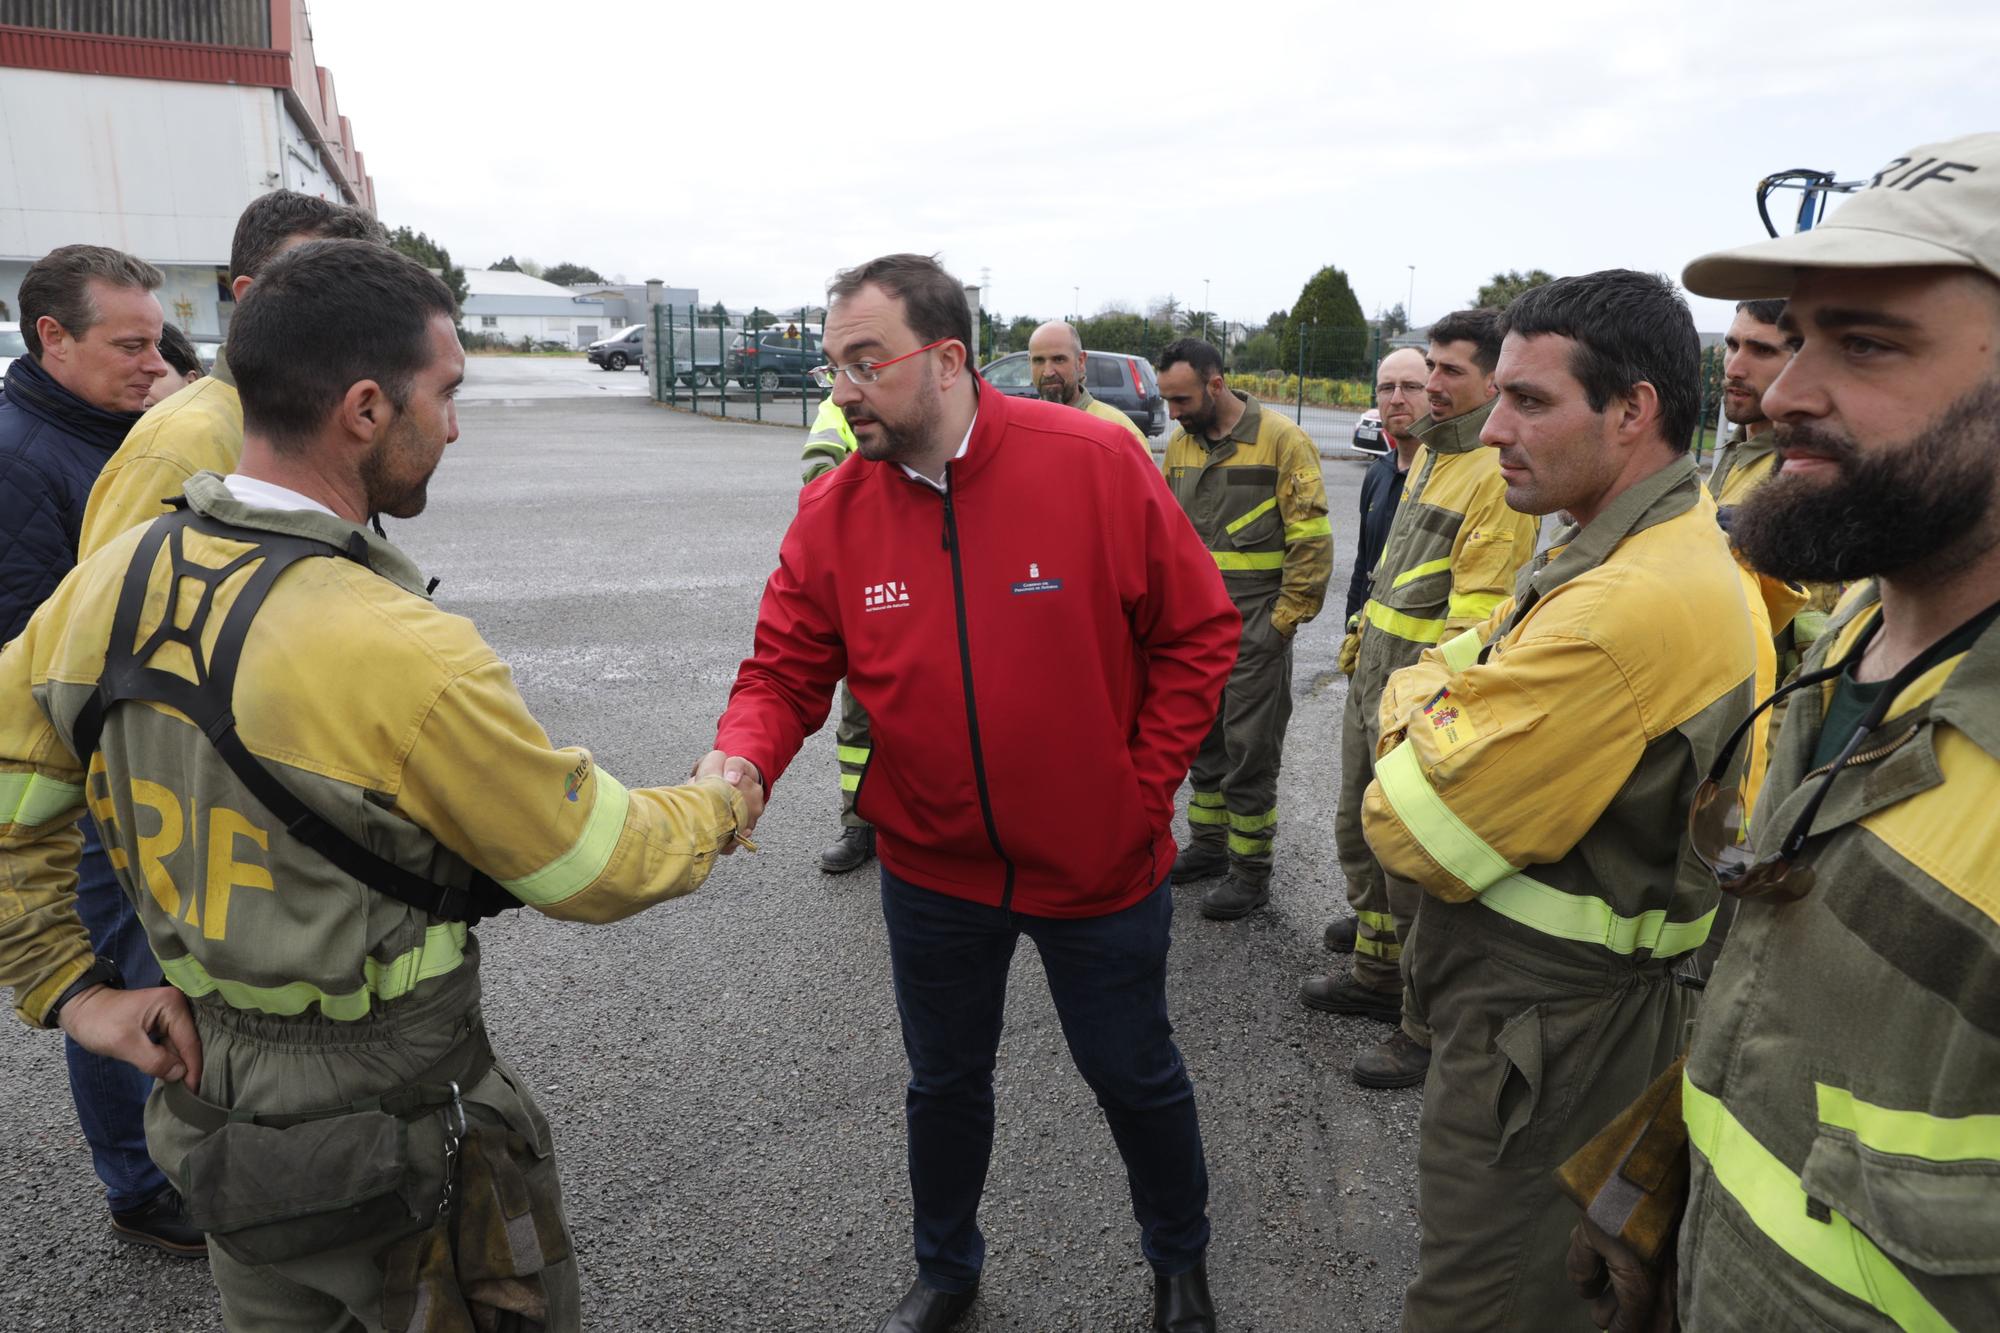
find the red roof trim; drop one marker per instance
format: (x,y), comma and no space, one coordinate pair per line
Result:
(128,57)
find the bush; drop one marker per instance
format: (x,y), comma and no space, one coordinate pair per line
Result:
(1319,392)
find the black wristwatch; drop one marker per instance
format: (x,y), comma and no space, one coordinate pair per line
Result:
(102,972)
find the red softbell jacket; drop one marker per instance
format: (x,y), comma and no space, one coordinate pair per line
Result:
(1040,651)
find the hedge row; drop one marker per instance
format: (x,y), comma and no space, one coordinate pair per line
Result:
(1321,393)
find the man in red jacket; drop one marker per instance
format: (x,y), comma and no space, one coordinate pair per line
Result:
(1041,640)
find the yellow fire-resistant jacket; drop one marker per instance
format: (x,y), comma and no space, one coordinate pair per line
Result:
(391,718)
(1259,503)
(197,429)
(1550,780)
(1110,413)
(1843,1091)
(829,442)
(1452,554)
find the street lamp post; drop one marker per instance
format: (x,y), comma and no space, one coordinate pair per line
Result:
(1204,309)
(1410,301)
(1076,304)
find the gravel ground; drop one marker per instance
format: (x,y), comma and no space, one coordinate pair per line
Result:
(725,1074)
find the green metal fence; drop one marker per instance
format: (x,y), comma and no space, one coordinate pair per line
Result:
(753,366)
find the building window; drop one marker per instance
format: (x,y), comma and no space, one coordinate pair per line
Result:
(489,321)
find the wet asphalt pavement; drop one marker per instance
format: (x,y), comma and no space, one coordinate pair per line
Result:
(725,1073)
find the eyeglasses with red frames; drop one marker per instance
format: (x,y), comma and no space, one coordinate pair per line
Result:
(867,372)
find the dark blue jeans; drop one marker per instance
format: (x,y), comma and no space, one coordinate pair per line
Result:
(110,1095)
(1108,976)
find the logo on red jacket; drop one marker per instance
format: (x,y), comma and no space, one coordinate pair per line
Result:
(893,595)
(1036,583)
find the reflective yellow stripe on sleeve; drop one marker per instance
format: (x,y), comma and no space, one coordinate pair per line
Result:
(1415,572)
(1468,858)
(1461,650)
(1414,628)
(1238,524)
(1472,605)
(578,868)
(1242,560)
(29,799)
(442,951)
(1934,1138)
(1770,1192)
(853,754)
(1308,530)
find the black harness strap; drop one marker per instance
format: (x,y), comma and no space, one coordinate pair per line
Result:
(208,700)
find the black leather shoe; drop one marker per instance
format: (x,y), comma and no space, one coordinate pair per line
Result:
(925,1309)
(853,850)
(1340,933)
(1333,995)
(1181,1303)
(1200,860)
(162,1223)
(1235,897)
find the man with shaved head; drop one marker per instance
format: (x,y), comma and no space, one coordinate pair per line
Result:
(1056,357)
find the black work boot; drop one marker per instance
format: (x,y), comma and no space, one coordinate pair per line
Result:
(1181,1303)
(1234,897)
(1340,934)
(1397,1063)
(854,849)
(925,1309)
(1201,859)
(1332,994)
(162,1223)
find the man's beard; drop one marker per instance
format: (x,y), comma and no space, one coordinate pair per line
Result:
(1057,390)
(386,493)
(901,441)
(1885,510)
(1744,416)
(1202,420)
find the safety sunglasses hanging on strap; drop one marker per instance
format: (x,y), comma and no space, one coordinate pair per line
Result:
(1715,819)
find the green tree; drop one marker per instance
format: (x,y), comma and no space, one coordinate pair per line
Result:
(432,256)
(565,273)
(1258,352)
(1505,287)
(506,264)
(1328,319)
(718,315)
(758,318)
(1396,320)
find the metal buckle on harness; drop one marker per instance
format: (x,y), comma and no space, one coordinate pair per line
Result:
(454,1134)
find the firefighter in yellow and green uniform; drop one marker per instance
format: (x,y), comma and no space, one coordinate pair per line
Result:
(1451,557)
(1535,776)
(1839,1117)
(828,444)
(1250,482)
(1057,365)
(306,843)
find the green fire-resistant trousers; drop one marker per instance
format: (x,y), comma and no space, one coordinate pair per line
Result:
(1235,773)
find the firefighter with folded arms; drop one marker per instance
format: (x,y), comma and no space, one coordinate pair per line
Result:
(1533,777)
(311,780)
(1828,1159)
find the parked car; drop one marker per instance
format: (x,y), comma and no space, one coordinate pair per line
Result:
(1368,437)
(708,368)
(627,347)
(1123,381)
(778,358)
(11,345)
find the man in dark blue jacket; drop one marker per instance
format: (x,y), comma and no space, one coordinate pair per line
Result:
(92,326)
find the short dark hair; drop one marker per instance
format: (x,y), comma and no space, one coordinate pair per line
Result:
(274,218)
(177,349)
(933,301)
(1629,328)
(1479,326)
(1764,312)
(58,285)
(323,317)
(1198,354)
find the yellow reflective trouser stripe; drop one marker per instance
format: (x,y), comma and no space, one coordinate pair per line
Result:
(1309,529)
(1238,560)
(1214,800)
(1253,823)
(1461,650)
(1934,1138)
(28,799)
(854,754)
(1377,920)
(578,868)
(1466,856)
(850,782)
(1238,524)
(1416,572)
(1771,1194)
(1374,948)
(1201,814)
(443,950)
(1471,605)
(1414,628)
(1243,846)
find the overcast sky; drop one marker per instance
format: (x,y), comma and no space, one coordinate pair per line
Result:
(1119,154)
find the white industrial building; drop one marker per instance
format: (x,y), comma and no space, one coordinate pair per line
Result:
(149,128)
(505,304)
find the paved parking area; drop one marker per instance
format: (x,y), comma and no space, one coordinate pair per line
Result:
(725,1074)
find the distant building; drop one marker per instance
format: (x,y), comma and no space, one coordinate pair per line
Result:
(505,304)
(148,127)
(625,302)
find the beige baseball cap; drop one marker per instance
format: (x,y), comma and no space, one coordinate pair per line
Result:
(1938,205)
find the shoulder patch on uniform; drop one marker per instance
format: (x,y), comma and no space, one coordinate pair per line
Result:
(1451,729)
(573,786)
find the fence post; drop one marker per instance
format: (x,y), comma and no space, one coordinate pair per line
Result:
(1305,336)
(663,354)
(805,380)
